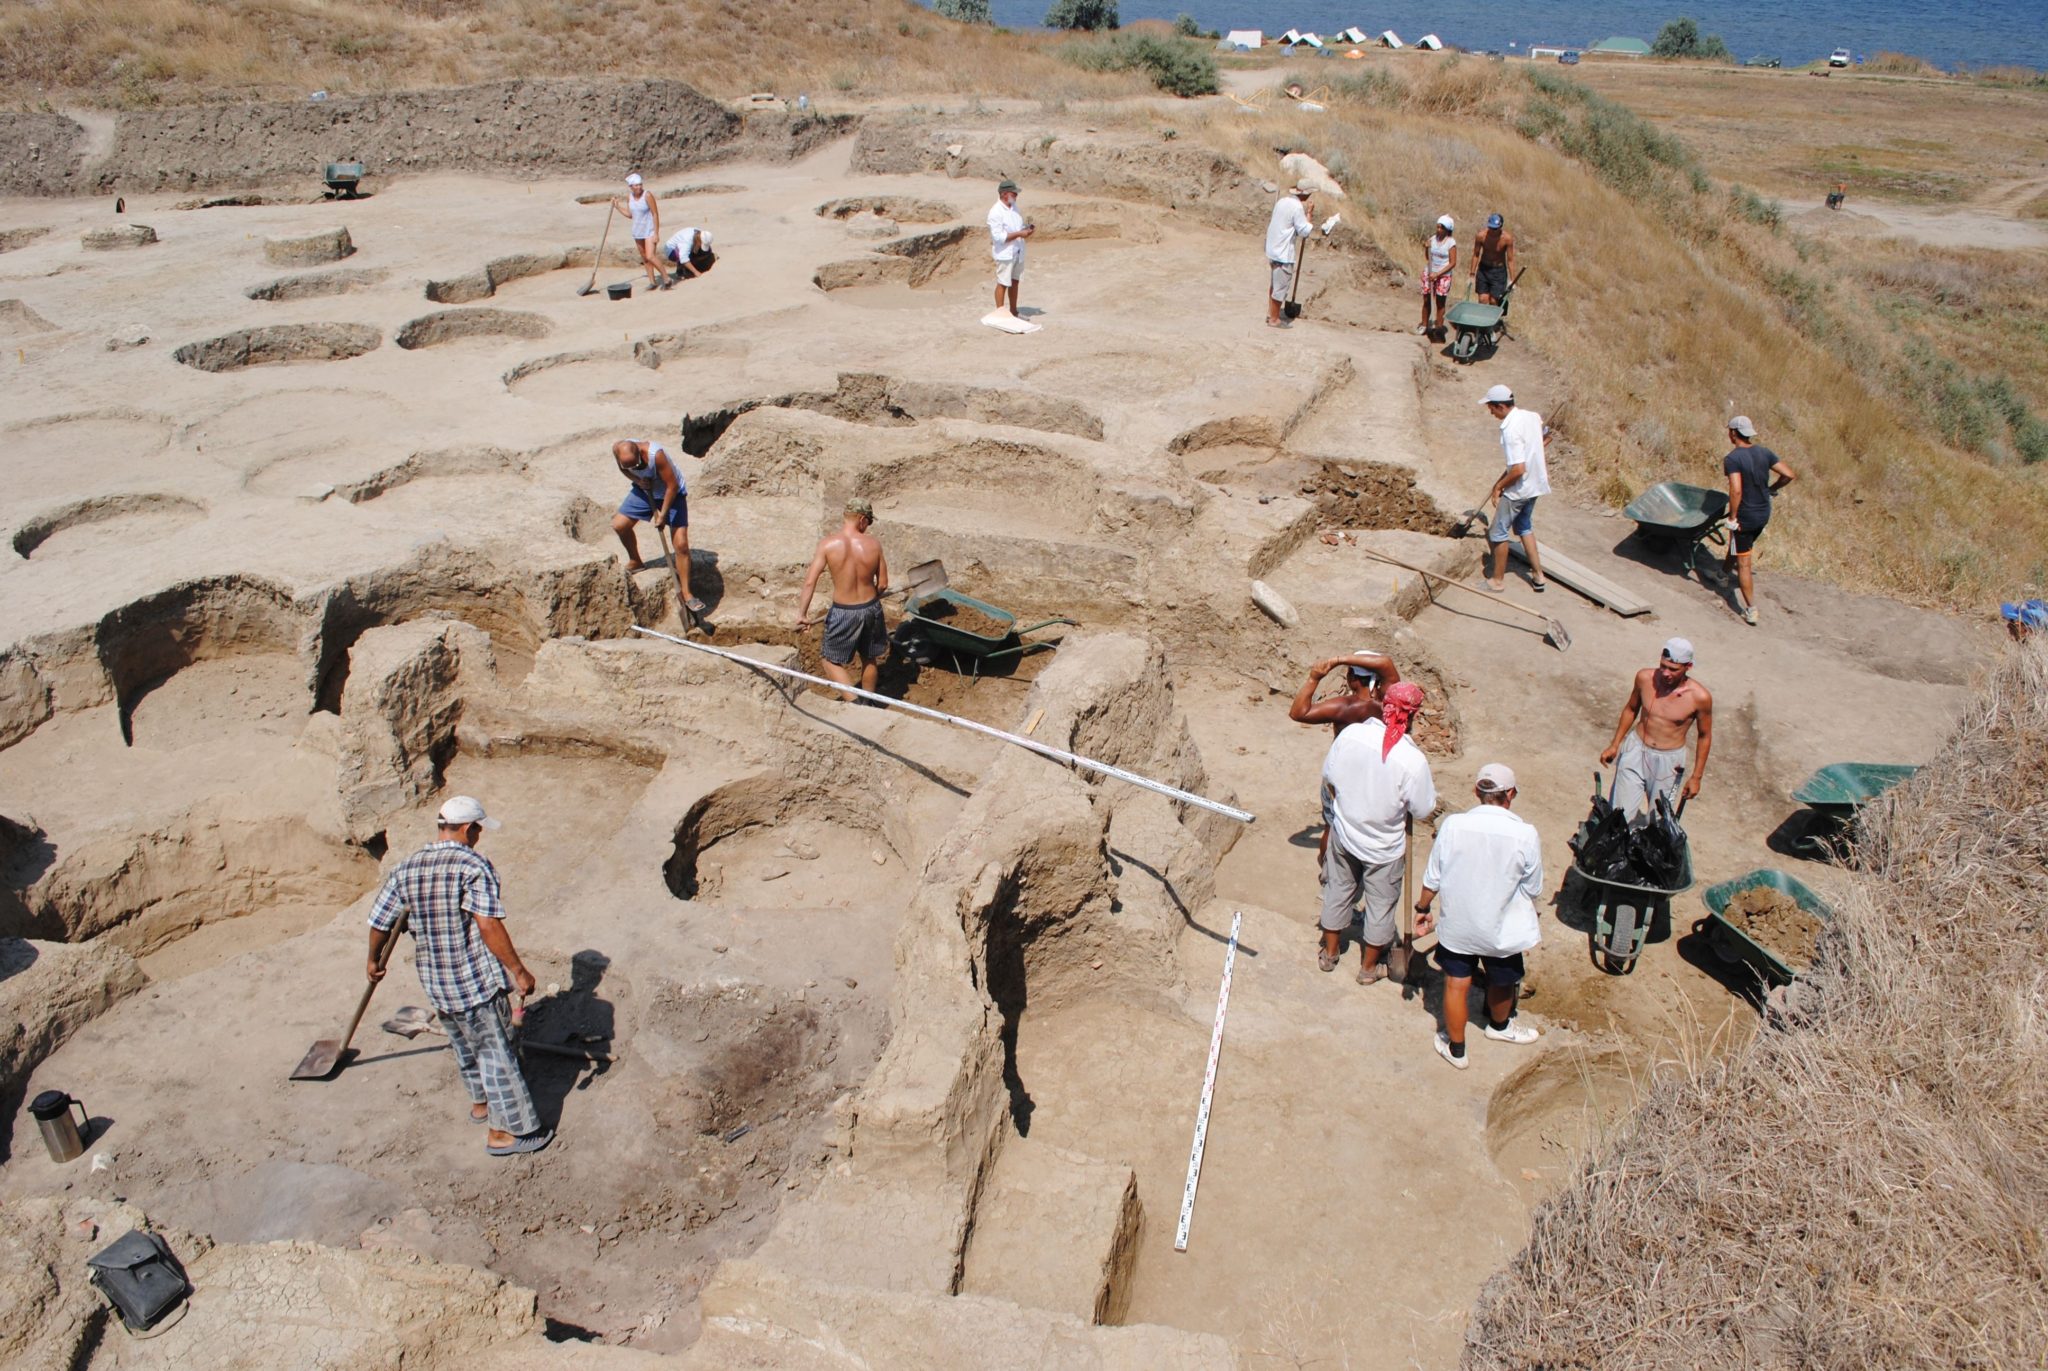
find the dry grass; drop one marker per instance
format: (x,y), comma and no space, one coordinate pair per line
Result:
(1866,1190)
(1668,310)
(140,52)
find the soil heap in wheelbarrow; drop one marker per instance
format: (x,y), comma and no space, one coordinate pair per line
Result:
(1774,920)
(968,619)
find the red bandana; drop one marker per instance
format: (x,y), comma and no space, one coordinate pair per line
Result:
(1399,706)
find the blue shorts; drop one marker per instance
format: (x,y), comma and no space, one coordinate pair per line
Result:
(1512,518)
(1499,972)
(636,505)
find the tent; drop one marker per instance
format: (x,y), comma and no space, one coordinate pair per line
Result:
(1245,38)
(1310,40)
(1351,35)
(1391,39)
(1430,41)
(1623,47)
(1289,38)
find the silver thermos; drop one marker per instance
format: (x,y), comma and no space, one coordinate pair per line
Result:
(52,1112)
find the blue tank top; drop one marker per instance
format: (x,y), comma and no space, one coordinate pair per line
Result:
(647,476)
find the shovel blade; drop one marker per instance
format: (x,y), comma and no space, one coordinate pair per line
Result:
(1292,309)
(1397,961)
(319,1062)
(1559,638)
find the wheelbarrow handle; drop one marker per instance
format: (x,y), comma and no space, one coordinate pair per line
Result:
(1045,623)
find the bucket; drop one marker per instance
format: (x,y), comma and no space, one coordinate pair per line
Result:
(52,1113)
(622,291)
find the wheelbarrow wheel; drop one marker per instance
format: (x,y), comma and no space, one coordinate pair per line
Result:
(1624,943)
(1465,346)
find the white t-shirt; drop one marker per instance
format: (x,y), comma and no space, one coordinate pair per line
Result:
(1002,222)
(681,244)
(1486,868)
(1440,250)
(1369,795)
(1288,226)
(1521,444)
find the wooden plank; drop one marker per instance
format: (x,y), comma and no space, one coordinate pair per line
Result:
(1589,583)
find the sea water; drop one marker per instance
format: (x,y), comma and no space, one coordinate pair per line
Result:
(1976,33)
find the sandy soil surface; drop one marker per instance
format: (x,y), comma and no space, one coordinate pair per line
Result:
(237,653)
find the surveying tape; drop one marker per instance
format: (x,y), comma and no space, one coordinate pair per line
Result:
(1072,759)
(1187,1198)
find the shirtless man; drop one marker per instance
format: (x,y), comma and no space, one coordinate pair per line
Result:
(658,494)
(1493,261)
(1663,705)
(1367,673)
(859,576)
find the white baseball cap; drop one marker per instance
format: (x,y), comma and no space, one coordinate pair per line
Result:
(1444,221)
(1361,671)
(633,178)
(1741,424)
(1498,395)
(1496,779)
(703,238)
(1678,650)
(462,810)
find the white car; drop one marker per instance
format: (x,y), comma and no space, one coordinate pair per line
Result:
(1839,57)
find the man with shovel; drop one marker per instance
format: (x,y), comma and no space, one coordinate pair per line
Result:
(1487,865)
(658,494)
(1525,477)
(1375,779)
(449,893)
(1284,234)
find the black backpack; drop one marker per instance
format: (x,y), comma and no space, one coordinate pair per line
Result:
(140,1278)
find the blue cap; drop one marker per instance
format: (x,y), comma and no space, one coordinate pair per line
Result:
(1494,221)
(2034,613)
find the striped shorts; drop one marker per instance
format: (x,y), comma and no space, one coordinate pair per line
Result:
(482,1039)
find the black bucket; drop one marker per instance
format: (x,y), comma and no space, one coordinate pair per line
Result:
(622,291)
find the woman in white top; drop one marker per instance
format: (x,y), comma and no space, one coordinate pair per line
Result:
(1439,262)
(639,206)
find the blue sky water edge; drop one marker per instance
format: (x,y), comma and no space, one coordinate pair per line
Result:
(1976,33)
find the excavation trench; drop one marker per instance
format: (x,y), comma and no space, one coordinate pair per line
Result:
(280,345)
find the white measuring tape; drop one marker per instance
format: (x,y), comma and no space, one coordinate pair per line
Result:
(1187,1199)
(1071,758)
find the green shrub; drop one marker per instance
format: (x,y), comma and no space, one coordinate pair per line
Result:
(1093,15)
(1755,208)
(1184,24)
(1176,66)
(1682,38)
(966,11)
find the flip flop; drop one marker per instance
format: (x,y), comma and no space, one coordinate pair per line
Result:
(694,605)
(1539,586)
(532,1142)
(484,1118)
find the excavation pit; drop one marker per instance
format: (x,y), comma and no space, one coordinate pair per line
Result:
(763,845)
(280,345)
(111,518)
(314,284)
(905,209)
(458,325)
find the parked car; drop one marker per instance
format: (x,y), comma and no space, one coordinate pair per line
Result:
(1762,61)
(1839,57)
(1570,57)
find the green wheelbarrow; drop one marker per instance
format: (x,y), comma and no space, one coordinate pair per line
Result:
(972,630)
(1478,325)
(1732,945)
(1675,514)
(1835,795)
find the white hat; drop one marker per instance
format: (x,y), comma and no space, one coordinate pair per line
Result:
(1362,671)
(461,811)
(1678,650)
(1496,779)
(1497,395)
(1741,424)
(633,178)
(703,238)
(1445,221)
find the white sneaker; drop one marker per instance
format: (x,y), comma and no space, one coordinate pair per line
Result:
(1514,1033)
(1443,1049)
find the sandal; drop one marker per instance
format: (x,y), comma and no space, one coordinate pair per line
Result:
(1372,975)
(1539,586)
(694,605)
(532,1142)
(1324,961)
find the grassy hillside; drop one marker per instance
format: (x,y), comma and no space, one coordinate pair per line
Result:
(142,52)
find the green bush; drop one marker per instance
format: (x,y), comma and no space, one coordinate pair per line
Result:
(1175,66)
(1755,208)
(1682,38)
(1184,24)
(966,11)
(1093,15)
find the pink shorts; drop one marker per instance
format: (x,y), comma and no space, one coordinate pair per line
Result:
(1442,286)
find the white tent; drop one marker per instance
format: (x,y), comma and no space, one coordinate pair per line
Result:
(1429,40)
(1310,40)
(1245,38)
(1391,39)
(1354,34)
(1290,38)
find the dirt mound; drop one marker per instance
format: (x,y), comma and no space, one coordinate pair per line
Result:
(472,128)
(17,320)
(329,245)
(906,209)
(453,325)
(1774,920)
(10,239)
(1372,495)
(262,347)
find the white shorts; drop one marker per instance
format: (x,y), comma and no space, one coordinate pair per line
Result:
(1007,273)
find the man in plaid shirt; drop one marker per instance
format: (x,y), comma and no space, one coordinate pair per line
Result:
(449,894)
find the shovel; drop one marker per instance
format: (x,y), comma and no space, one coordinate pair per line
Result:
(1463,528)
(1553,631)
(1398,954)
(921,580)
(1292,309)
(598,261)
(325,1055)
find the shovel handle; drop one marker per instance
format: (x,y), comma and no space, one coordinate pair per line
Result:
(383,960)
(1504,603)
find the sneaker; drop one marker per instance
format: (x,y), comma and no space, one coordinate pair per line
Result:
(1514,1033)
(1443,1049)
(1749,616)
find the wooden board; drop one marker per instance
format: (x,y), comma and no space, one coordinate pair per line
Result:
(1589,583)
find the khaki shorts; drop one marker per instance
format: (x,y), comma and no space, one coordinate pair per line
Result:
(1008,273)
(1349,882)
(1283,279)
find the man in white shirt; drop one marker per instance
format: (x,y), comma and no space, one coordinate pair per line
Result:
(1284,232)
(1524,477)
(1488,867)
(1375,779)
(1007,233)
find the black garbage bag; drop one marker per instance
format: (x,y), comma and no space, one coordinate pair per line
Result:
(1602,842)
(1657,849)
